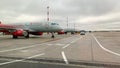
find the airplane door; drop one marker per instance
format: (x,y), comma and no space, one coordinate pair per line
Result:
(47,25)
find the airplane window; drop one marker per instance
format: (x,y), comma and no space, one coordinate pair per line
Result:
(53,23)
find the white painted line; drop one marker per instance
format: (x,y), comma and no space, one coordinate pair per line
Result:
(64,57)
(70,43)
(74,41)
(28,47)
(10,62)
(66,46)
(49,44)
(59,44)
(21,48)
(105,48)
(35,56)
(14,61)
(24,51)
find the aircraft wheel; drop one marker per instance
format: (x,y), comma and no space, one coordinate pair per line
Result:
(52,35)
(26,34)
(15,37)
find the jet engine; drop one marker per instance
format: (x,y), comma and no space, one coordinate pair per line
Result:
(61,32)
(20,32)
(36,33)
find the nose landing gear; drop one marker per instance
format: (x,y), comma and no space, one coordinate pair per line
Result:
(52,35)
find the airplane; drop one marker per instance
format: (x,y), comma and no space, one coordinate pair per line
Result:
(34,28)
(66,30)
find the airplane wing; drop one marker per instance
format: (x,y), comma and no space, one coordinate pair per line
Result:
(17,30)
(14,30)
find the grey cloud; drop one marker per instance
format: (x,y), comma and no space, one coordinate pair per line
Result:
(60,9)
(93,7)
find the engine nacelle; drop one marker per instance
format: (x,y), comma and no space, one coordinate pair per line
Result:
(19,32)
(61,32)
(37,33)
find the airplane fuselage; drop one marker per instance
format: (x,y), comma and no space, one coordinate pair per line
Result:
(38,26)
(35,28)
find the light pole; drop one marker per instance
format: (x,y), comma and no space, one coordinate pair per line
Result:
(48,19)
(67,22)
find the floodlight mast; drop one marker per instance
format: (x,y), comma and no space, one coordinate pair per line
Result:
(48,19)
(67,22)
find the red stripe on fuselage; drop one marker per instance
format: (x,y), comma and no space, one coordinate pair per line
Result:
(10,26)
(6,26)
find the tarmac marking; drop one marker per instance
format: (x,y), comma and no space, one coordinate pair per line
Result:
(24,50)
(49,44)
(21,48)
(66,46)
(64,57)
(14,61)
(105,49)
(71,43)
(58,44)
(24,47)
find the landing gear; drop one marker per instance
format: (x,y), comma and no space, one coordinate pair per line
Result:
(52,35)
(26,34)
(72,33)
(22,33)
(65,32)
(15,37)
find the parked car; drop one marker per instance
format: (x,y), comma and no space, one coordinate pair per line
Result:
(82,33)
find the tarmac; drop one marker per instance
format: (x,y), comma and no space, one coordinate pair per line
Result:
(92,50)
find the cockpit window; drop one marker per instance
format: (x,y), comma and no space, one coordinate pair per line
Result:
(54,24)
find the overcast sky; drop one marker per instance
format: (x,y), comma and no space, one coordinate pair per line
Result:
(86,14)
